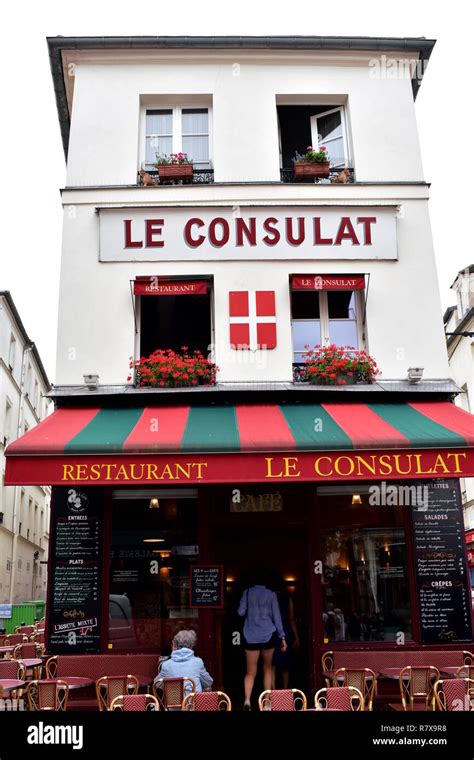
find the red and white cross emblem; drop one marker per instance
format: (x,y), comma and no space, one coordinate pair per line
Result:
(252,319)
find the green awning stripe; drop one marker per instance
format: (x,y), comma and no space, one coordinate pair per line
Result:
(106,432)
(211,429)
(420,430)
(314,429)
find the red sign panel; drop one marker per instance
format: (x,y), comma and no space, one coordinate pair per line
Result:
(158,286)
(328,282)
(271,468)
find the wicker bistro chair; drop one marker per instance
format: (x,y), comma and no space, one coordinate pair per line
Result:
(454,694)
(135,703)
(29,651)
(49,694)
(327,662)
(37,637)
(346,698)
(282,700)
(465,671)
(15,670)
(26,630)
(417,683)
(363,679)
(468,658)
(108,688)
(15,638)
(207,701)
(170,692)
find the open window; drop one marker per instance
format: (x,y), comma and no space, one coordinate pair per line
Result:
(173,313)
(315,125)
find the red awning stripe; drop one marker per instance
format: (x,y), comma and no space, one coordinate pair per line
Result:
(54,432)
(263,423)
(450,416)
(364,427)
(159,428)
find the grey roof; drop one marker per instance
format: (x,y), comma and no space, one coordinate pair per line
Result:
(443,387)
(420,46)
(8,297)
(467,270)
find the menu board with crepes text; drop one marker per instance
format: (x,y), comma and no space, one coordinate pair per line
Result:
(441,568)
(74,619)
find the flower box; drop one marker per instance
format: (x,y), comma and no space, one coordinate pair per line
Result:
(311,169)
(176,172)
(338,365)
(169,369)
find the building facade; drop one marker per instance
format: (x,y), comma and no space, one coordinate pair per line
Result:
(459,327)
(24,510)
(185,489)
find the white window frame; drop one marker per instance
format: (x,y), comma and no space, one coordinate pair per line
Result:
(324,320)
(315,133)
(177,135)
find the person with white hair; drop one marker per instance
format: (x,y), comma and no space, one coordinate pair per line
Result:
(184,663)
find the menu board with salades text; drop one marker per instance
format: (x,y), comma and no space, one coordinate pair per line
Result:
(74,619)
(441,567)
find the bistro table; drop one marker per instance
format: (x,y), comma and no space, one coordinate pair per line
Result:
(393,673)
(9,684)
(32,663)
(329,674)
(74,682)
(6,650)
(451,671)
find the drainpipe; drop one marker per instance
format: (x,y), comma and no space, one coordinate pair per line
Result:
(16,494)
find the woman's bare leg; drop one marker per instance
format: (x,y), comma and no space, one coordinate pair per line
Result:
(267,668)
(249,680)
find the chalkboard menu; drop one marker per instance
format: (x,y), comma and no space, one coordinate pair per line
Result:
(207,586)
(441,571)
(74,620)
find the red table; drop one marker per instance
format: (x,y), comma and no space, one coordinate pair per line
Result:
(32,663)
(6,650)
(74,682)
(451,671)
(329,674)
(9,684)
(393,673)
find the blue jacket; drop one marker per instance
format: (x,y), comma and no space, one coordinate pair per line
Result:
(183,662)
(262,615)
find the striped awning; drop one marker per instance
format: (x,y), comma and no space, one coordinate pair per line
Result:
(71,433)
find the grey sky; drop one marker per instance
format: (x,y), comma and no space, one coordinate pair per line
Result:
(32,160)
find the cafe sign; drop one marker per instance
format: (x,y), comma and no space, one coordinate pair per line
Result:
(262,233)
(256,502)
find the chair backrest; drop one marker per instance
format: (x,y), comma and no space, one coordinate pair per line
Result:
(454,694)
(339,698)
(15,638)
(27,630)
(207,701)
(12,669)
(468,658)
(28,651)
(170,692)
(417,683)
(37,637)
(109,687)
(48,694)
(135,703)
(282,700)
(363,679)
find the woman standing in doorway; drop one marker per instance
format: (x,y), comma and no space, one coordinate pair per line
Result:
(263,630)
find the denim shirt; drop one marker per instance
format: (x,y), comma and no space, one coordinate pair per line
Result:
(262,614)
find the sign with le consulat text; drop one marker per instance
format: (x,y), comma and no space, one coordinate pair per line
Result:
(256,233)
(74,620)
(207,586)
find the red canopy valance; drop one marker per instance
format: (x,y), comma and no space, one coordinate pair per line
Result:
(328,282)
(162,286)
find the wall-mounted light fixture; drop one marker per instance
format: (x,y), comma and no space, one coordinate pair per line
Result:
(415,375)
(92,381)
(154,503)
(356,499)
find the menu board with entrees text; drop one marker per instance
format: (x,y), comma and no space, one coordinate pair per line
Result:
(441,567)
(74,619)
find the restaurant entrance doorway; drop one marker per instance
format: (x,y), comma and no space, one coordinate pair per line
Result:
(281,550)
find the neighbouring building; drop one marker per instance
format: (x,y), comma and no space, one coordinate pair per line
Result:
(167,487)
(459,327)
(25,509)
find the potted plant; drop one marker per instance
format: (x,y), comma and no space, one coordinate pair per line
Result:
(314,163)
(176,166)
(338,365)
(165,368)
